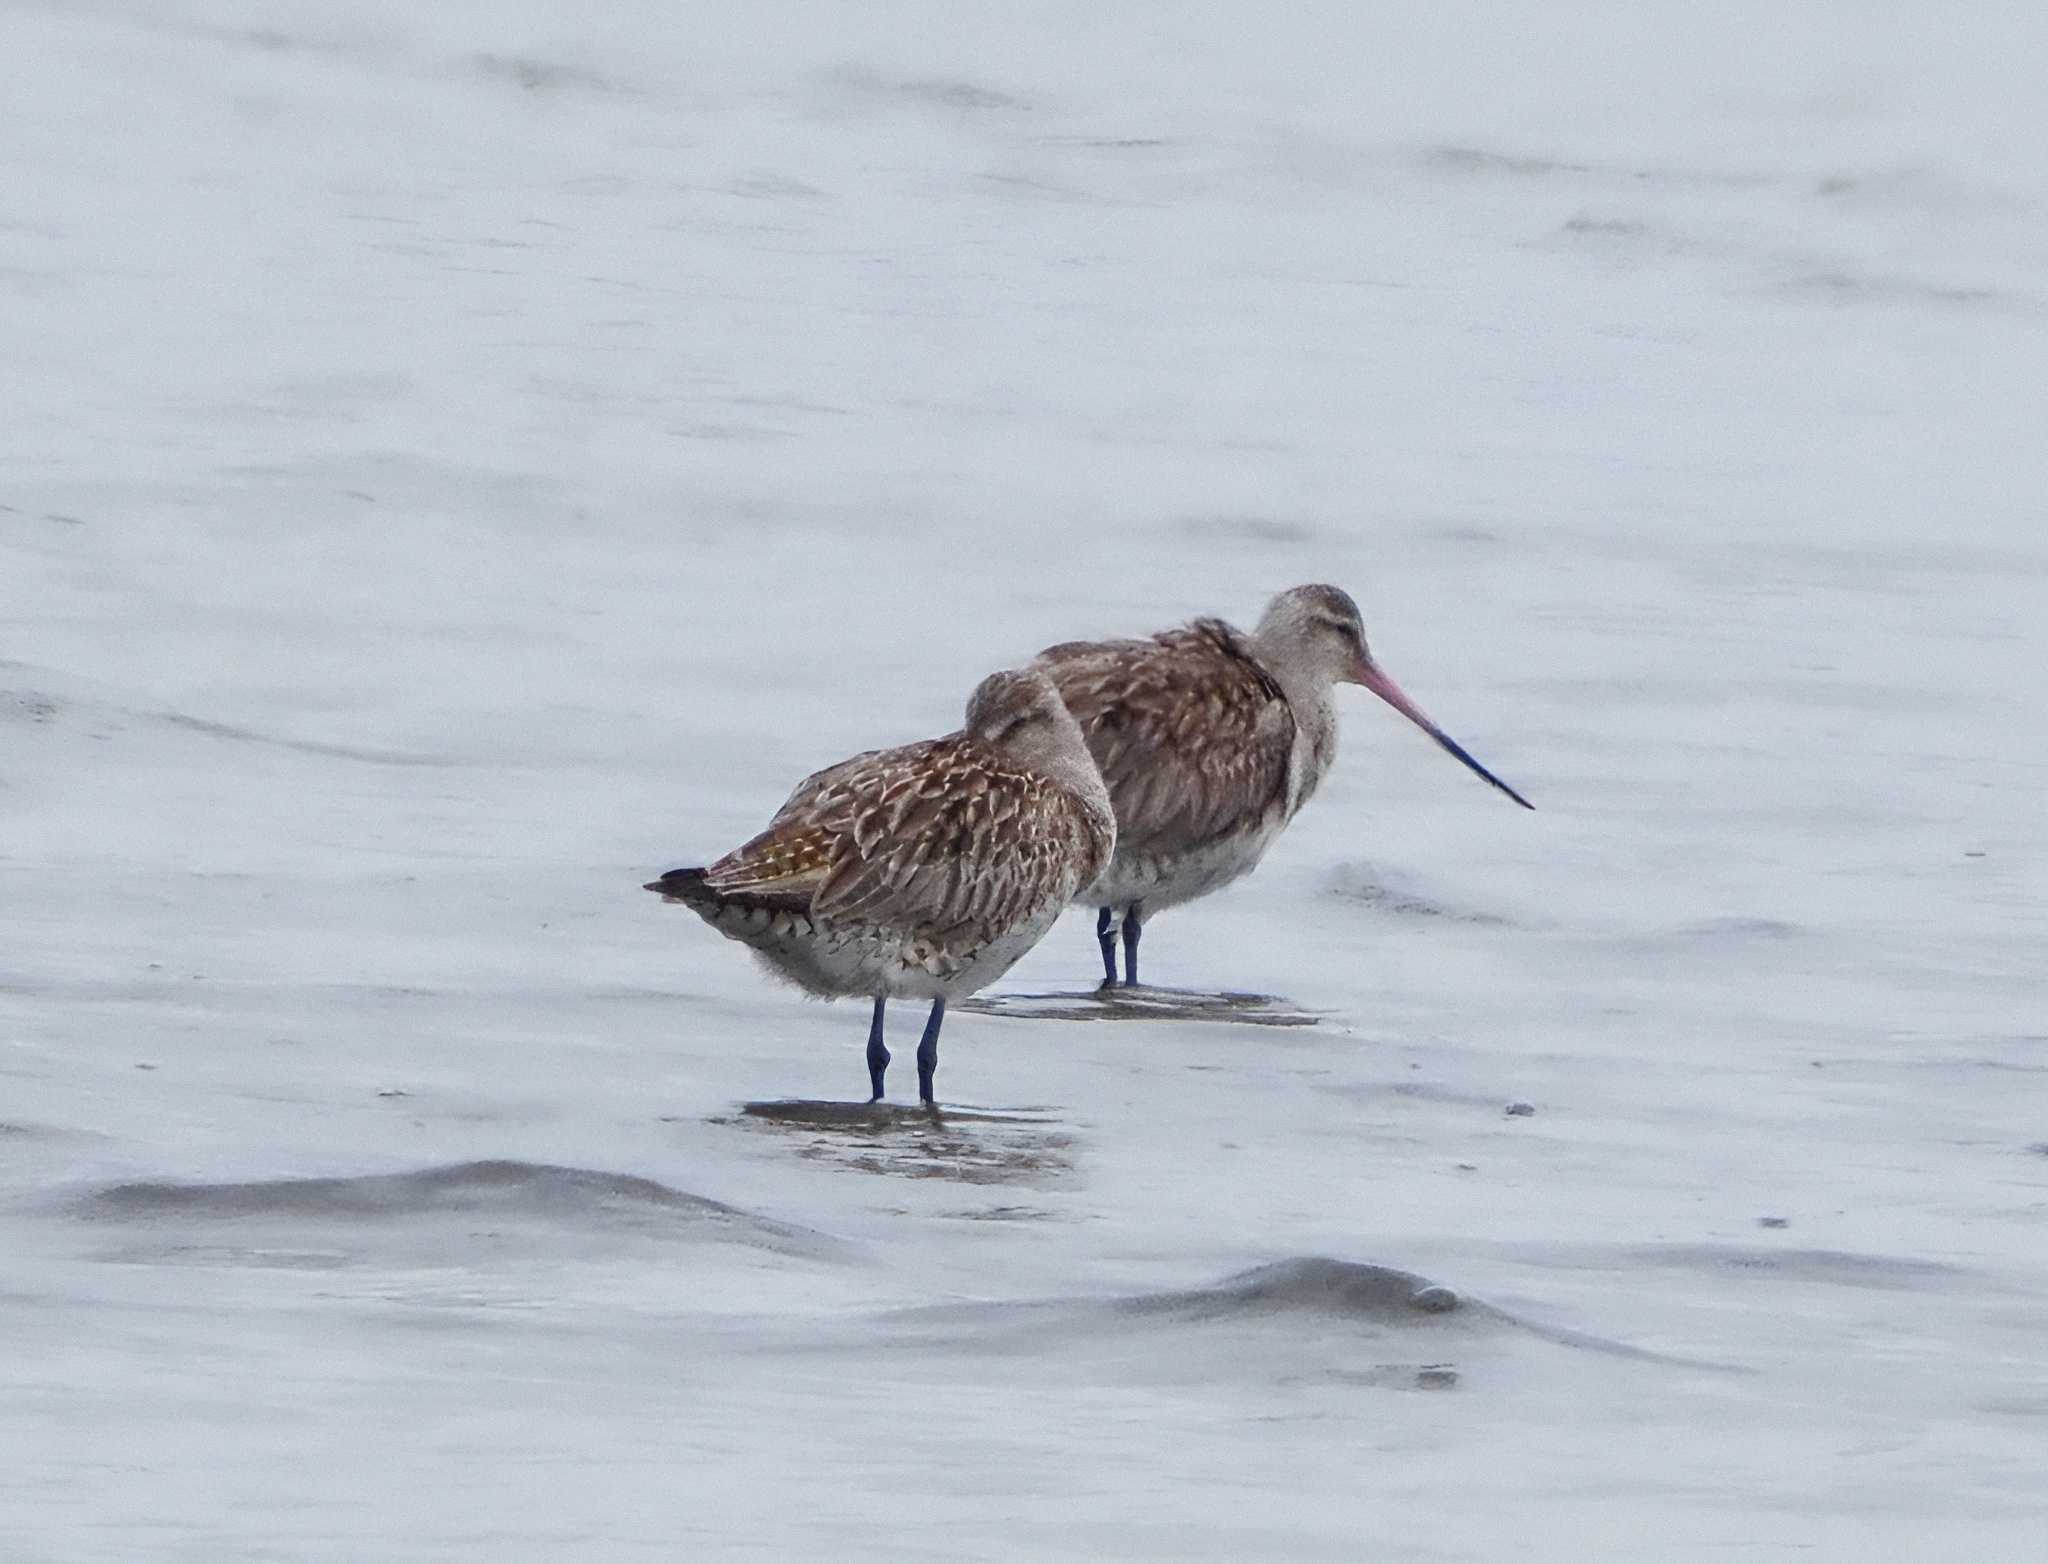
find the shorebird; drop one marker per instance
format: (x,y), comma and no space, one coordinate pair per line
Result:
(921,872)
(1210,741)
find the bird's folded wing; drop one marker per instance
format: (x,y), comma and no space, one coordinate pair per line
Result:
(958,845)
(791,858)
(1192,736)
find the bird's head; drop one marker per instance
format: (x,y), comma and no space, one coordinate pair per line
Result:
(1316,633)
(1019,708)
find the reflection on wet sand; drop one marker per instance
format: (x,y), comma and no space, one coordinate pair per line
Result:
(1146,1004)
(967,1145)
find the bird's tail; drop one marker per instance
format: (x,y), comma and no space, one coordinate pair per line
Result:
(749,916)
(685,885)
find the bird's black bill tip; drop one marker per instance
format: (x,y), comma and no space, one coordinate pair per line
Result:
(1453,747)
(1375,678)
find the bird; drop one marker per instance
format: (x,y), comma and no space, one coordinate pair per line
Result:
(1210,741)
(923,871)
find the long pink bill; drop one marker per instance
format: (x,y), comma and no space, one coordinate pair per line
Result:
(1386,689)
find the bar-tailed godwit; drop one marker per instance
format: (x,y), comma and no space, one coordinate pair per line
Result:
(921,872)
(1210,741)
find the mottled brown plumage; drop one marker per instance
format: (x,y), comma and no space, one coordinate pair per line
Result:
(945,840)
(1192,735)
(1210,740)
(922,871)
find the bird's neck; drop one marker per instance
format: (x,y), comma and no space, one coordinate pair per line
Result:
(1315,744)
(1311,698)
(1061,755)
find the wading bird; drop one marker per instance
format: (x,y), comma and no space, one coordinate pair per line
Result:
(922,872)
(1210,741)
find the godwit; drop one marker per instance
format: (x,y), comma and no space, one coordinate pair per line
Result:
(921,872)
(1210,740)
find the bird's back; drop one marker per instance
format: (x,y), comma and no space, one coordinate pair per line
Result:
(1193,736)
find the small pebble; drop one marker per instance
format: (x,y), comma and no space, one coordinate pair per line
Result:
(145,1067)
(392,1091)
(1468,1167)
(1435,1376)
(1433,1300)
(1773,1221)
(1521,1110)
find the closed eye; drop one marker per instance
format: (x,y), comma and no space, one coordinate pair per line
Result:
(1017,723)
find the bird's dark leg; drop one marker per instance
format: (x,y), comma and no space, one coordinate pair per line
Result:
(928,1051)
(878,1053)
(1105,936)
(1133,926)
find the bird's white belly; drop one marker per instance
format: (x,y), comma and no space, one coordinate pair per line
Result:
(1166,879)
(997,956)
(833,959)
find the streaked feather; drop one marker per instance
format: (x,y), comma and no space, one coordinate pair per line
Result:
(1192,735)
(941,839)
(932,865)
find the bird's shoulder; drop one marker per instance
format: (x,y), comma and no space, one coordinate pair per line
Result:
(1192,734)
(1197,681)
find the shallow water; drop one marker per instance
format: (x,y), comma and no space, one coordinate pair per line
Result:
(462,460)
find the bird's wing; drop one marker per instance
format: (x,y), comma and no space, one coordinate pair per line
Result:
(790,859)
(944,839)
(1192,736)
